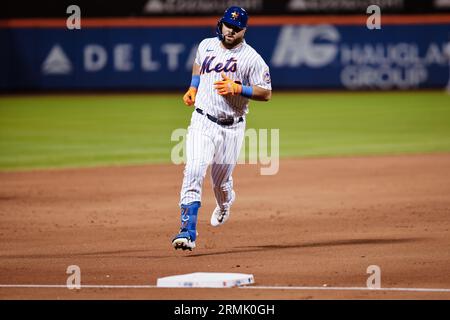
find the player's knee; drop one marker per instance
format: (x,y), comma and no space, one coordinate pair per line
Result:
(222,186)
(195,173)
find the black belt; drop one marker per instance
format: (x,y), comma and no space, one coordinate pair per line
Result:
(221,121)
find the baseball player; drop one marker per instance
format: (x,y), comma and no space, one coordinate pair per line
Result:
(226,73)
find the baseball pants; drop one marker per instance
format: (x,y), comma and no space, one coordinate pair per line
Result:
(208,143)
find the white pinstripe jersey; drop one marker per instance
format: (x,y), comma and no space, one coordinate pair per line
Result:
(241,63)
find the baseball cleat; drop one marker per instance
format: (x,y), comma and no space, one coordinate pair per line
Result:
(183,241)
(220,216)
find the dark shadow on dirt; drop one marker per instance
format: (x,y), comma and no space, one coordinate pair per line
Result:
(301,245)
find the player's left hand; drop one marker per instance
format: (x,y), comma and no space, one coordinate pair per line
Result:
(227,86)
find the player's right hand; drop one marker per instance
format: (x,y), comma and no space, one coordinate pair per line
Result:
(189,96)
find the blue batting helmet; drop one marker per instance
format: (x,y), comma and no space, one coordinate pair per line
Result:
(236,16)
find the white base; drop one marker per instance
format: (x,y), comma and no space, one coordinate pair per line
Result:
(206,280)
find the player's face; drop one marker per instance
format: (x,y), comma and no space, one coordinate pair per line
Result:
(232,35)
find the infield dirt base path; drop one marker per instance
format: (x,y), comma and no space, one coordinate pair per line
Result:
(318,221)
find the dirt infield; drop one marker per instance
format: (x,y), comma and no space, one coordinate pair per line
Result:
(317,222)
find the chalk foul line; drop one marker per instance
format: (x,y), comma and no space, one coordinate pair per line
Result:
(346,288)
(299,288)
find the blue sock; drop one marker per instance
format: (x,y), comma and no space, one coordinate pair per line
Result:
(189,218)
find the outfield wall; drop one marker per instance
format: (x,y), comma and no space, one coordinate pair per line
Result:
(157,53)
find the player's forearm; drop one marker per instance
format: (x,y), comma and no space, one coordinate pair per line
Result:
(195,81)
(195,69)
(261,94)
(189,96)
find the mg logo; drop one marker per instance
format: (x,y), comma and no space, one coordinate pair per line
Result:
(312,46)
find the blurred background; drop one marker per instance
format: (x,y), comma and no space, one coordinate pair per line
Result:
(109,92)
(150,44)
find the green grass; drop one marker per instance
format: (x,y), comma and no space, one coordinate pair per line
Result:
(336,124)
(87,130)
